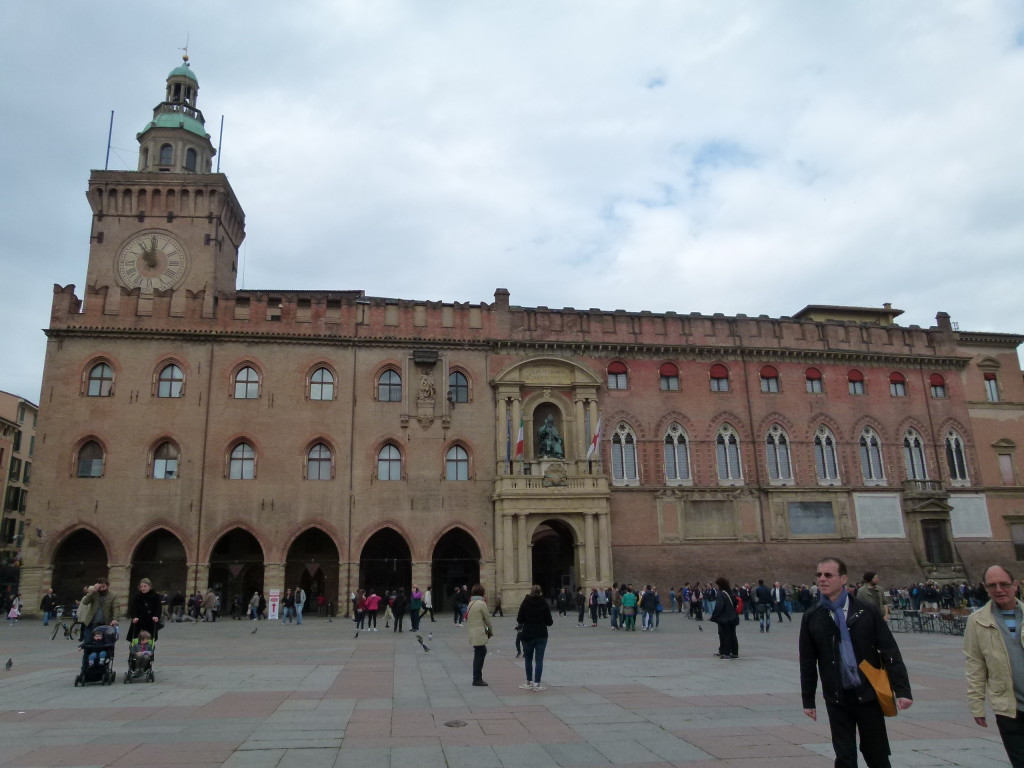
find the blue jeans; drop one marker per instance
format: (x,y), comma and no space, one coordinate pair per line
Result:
(533,654)
(298,613)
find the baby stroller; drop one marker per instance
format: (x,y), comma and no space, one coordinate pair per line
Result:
(140,665)
(98,656)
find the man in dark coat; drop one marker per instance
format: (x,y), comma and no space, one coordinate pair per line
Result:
(833,651)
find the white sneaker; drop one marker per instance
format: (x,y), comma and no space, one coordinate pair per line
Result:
(526,686)
(539,687)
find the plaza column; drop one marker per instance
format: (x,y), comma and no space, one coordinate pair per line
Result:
(118,575)
(605,542)
(508,564)
(523,549)
(589,549)
(500,416)
(581,428)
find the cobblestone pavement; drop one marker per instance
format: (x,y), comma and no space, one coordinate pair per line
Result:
(314,695)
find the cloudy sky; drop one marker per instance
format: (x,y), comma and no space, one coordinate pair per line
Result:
(736,157)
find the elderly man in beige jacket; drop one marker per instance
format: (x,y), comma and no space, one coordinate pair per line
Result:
(995,661)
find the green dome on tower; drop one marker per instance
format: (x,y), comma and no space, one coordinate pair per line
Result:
(183,71)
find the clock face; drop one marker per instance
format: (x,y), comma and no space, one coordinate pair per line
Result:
(153,261)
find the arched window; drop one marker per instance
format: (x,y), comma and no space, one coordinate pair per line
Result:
(166,154)
(856,380)
(165,461)
(897,384)
(247,384)
(170,382)
(719,375)
(727,452)
(913,456)
(677,456)
(617,375)
(190,160)
(668,377)
(826,463)
(389,387)
(321,385)
(456,464)
(389,463)
(90,460)
(319,462)
(458,387)
(769,375)
(814,381)
(871,458)
(242,465)
(101,381)
(955,459)
(780,468)
(937,384)
(624,466)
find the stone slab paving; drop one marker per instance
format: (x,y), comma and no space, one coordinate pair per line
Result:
(316,696)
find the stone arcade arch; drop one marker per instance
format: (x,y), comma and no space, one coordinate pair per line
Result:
(554,557)
(456,561)
(79,560)
(236,568)
(160,557)
(385,563)
(312,563)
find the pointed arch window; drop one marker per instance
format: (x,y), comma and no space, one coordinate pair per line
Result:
(166,154)
(769,375)
(677,456)
(856,382)
(814,381)
(247,383)
(101,381)
(456,463)
(618,375)
(90,460)
(871,458)
(727,453)
(719,376)
(389,387)
(937,384)
(913,456)
(458,387)
(956,459)
(242,463)
(389,463)
(624,464)
(319,462)
(826,461)
(668,377)
(321,385)
(170,382)
(165,461)
(780,467)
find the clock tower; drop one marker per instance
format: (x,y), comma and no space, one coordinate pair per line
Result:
(172,227)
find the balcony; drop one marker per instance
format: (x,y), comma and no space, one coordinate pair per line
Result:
(924,489)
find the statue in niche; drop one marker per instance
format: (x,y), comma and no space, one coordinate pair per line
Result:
(427,390)
(549,441)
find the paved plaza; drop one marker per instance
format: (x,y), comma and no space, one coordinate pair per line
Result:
(314,696)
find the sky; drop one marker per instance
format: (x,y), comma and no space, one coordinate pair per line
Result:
(668,155)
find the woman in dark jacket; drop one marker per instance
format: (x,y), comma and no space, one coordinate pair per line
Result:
(145,611)
(534,617)
(725,616)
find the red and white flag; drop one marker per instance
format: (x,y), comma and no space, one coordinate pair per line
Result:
(593,441)
(519,439)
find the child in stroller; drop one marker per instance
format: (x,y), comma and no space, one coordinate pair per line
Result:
(140,658)
(98,657)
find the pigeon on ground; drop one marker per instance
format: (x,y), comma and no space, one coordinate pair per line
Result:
(419,639)
(430,636)
(9,664)
(254,630)
(355,635)
(330,620)
(700,628)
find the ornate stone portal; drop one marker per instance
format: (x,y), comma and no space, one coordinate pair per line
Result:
(550,483)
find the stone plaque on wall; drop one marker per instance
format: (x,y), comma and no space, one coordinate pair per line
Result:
(547,374)
(711,519)
(811,518)
(879,515)
(969,515)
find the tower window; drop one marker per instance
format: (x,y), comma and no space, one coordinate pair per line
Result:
(897,384)
(812,376)
(719,378)
(166,154)
(617,376)
(190,160)
(856,380)
(991,387)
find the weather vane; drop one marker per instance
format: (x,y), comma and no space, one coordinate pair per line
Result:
(184,56)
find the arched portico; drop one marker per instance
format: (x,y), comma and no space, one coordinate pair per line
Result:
(77,562)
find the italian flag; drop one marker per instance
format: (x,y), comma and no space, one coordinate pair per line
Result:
(593,441)
(519,439)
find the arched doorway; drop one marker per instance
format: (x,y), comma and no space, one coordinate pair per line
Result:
(386,562)
(78,562)
(236,568)
(312,563)
(554,557)
(456,561)
(160,557)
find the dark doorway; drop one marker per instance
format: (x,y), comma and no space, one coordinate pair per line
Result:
(554,557)
(160,557)
(312,564)
(236,569)
(78,562)
(456,562)
(385,563)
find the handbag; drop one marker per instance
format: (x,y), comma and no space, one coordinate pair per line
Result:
(879,680)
